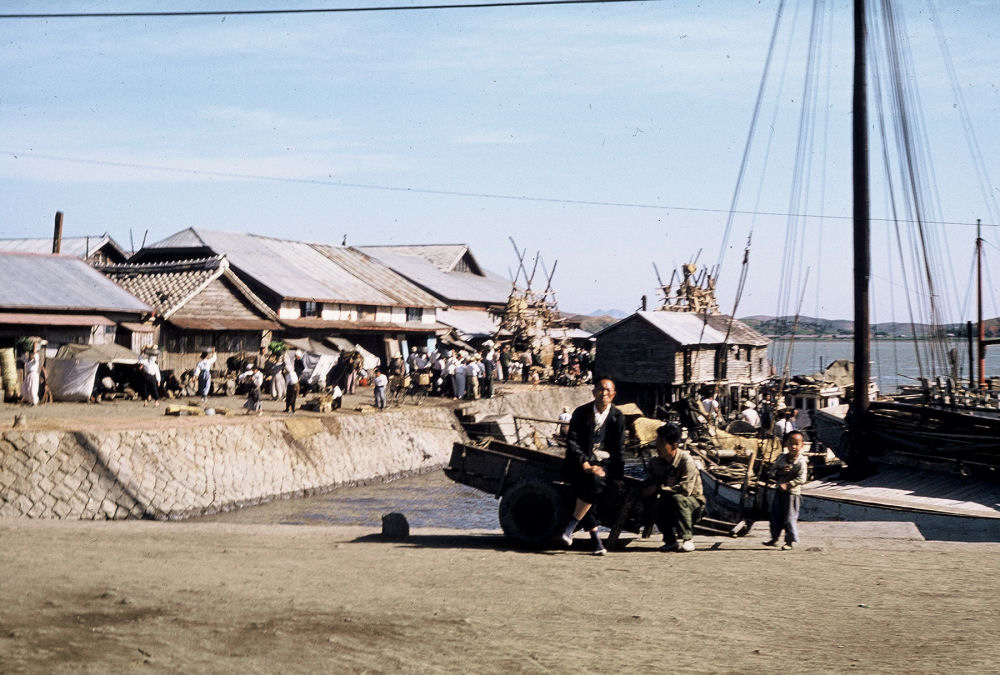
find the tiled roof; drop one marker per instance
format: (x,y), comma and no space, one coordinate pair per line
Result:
(164,286)
(168,286)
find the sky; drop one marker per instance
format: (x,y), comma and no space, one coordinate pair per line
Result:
(605,137)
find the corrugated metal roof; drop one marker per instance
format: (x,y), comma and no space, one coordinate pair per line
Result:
(291,269)
(379,276)
(470,323)
(62,282)
(452,287)
(690,328)
(442,256)
(35,319)
(740,334)
(349,326)
(75,246)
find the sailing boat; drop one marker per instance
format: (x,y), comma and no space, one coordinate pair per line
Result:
(940,505)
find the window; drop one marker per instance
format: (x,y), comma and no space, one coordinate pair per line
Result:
(414,314)
(309,309)
(366,312)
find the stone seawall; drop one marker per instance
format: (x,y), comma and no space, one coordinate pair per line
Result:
(191,466)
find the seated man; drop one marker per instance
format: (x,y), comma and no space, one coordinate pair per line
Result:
(594,444)
(674,483)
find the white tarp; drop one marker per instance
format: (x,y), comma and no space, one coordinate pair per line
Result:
(317,367)
(70,379)
(371,361)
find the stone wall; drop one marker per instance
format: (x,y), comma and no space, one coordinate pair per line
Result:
(196,465)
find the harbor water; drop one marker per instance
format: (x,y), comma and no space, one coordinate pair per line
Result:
(894,362)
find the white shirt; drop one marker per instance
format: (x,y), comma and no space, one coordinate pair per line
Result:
(381,380)
(783,427)
(291,378)
(599,419)
(751,417)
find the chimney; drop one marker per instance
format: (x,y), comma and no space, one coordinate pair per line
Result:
(57,233)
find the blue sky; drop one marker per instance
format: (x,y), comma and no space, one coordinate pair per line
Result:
(392,128)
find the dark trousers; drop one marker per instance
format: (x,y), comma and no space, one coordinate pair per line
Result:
(677,514)
(150,390)
(291,394)
(785,515)
(588,488)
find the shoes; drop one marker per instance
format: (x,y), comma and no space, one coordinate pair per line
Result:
(771,542)
(687,546)
(600,551)
(787,547)
(567,539)
(669,546)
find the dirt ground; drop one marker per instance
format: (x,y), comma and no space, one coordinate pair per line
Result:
(125,413)
(215,597)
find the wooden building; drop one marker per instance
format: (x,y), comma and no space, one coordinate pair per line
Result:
(197,304)
(657,357)
(323,293)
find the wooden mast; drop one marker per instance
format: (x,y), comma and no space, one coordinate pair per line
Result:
(862,254)
(979,305)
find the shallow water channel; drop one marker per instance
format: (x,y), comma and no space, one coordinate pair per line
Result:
(427,500)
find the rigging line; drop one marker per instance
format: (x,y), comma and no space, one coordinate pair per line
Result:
(750,134)
(908,150)
(989,197)
(887,168)
(783,304)
(320,10)
(799,195)
(445,193)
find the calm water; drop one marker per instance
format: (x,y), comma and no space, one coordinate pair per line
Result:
(428,500)
(894,362)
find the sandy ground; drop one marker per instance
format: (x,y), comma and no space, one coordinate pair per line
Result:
(200,597)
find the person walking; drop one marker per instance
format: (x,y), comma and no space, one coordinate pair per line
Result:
(32,377)
(380,383)
(203,373)
(150,379)
(291,389)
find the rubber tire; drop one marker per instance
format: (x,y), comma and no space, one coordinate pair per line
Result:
(533,514)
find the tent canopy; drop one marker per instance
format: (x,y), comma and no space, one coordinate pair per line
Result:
(109,353)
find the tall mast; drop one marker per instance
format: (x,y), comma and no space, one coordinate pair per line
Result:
(862,254)
(979,305)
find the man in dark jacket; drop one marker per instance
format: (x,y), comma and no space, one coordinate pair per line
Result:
(593,457)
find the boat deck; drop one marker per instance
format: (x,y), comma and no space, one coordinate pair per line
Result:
(915,490)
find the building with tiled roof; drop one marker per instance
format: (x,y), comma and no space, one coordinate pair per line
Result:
(196,304)
(317,291)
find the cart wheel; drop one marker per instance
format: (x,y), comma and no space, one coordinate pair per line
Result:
(533,513)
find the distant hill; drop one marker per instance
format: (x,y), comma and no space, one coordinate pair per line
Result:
(614,313)
(813,327)
(593,323)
